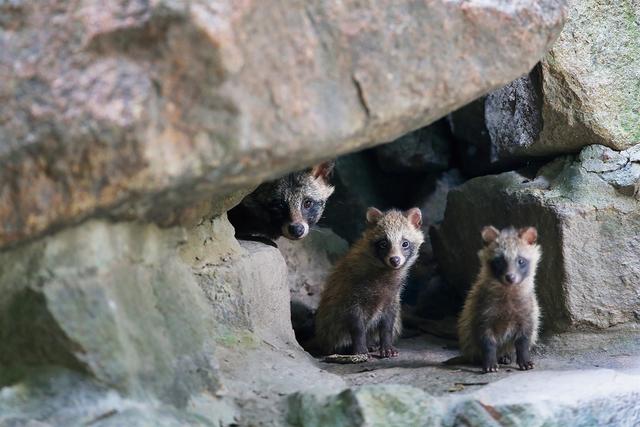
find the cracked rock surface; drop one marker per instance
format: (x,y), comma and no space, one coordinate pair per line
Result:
(587,211)
(137,109)
(579,379)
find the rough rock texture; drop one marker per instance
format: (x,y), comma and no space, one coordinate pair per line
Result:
(431,197)
(497,131)
(359,183)
(424,150)
(531,399)
(57,397)
(147,325)
(591,78)
(92,298)
(137,109)
(260,360)
(513,116)
(391,405)
(309,263)
(585,91)
(588,217)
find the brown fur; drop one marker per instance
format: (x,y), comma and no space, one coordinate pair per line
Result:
(497,313)
(364,288)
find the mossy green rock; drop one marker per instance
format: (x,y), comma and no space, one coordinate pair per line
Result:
(534,399)
(173,325)
(591,78)
(59,397)
(112,300)
(588,222)
(374,406)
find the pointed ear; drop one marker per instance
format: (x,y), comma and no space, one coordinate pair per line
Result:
(528,234)
(414,215)
(373,215)
(323,170)
(489,234)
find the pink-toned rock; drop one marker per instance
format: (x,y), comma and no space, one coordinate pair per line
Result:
(139,109)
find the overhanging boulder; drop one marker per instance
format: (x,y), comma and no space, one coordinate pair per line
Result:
(139,109)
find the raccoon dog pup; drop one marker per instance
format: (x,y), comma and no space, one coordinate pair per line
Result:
(287,206)
(360,305)
(501,312)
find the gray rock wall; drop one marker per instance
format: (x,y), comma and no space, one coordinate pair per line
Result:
(124,124)
(588,228)
(161,325)
(583,92)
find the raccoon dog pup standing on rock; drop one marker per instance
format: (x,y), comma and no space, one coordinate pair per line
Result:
(360,305)
(501,312)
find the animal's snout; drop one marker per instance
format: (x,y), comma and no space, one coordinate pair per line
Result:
(510,278)
(296,230)
(395,261)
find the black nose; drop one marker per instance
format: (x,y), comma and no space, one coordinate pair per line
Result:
(510,278)
(394,261)
(296,230)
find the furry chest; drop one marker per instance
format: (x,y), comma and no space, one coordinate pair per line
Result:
(378,303)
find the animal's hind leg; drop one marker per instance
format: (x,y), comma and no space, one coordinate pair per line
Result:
(386,329)
(358,334)
(373,339)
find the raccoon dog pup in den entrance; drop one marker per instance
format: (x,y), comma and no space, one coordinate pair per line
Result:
(287,206)
(501,312)
(360,305)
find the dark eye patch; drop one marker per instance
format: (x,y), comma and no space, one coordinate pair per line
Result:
(381,248)
(279,209)
(277,204)
(407,248)
(312,210)
(498,266)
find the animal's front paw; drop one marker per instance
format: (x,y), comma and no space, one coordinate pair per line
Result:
(525,365)
(490,365)
(386,352)
(505,360)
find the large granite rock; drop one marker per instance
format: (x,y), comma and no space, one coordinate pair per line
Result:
(57,397)
(587,211)
(147,326)
(137,109)
(94,299)
(590,79)
(527,400)
(496,132)
(585,91)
